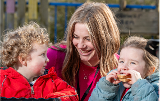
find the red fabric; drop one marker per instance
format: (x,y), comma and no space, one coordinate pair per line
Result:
(56,59)
(117,56)
(84,83)
(47,86)
(124,92)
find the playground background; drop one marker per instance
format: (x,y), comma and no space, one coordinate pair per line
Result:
(134,17)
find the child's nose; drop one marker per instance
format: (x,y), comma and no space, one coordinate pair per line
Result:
(47,60)
(125,67)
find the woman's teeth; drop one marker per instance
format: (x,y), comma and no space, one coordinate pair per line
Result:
(84,51)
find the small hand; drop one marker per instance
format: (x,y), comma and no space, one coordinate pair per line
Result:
(135,75)
(112,77)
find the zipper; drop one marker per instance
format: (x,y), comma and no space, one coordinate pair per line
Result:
(126,94)
(32,90)
(31,85)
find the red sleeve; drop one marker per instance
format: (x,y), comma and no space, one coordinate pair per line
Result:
(63,91)
(1,82)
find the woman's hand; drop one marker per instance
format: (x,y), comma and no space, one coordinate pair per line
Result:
(134,76)
(112,77)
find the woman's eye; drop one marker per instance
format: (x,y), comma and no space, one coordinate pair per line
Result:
(87,38)
(75,37)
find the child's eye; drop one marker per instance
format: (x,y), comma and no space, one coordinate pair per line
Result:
(120,61)
(43,54)
(133,63)
(87,39)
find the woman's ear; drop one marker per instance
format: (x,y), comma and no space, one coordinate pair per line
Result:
(22,60)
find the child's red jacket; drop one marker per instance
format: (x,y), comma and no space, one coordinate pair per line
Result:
(13,84)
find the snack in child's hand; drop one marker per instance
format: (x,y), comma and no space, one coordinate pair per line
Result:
(124,77)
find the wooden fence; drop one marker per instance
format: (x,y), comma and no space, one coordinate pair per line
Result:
(139,19)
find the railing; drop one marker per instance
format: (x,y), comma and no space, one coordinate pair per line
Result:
(55,4)
(78,4)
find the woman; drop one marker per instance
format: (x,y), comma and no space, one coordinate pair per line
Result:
(93,40)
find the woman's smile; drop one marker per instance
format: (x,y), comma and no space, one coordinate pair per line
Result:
(84,52)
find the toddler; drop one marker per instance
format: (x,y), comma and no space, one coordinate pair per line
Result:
(24,52)
(137,63)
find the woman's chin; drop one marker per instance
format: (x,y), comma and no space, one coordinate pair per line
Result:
(84,58)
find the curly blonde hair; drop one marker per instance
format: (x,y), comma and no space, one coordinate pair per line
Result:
(104,33)
(19,42)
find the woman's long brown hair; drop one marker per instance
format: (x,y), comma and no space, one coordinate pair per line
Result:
(104,33)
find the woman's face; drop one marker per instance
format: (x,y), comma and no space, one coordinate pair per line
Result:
(82,42)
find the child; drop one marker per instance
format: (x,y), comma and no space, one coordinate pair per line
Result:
(138,63)
(24,52)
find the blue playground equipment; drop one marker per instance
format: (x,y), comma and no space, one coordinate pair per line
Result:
(66,5)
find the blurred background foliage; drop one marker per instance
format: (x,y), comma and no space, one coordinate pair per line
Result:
(61,15)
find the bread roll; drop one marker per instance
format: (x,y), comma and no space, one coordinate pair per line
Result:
(124,77)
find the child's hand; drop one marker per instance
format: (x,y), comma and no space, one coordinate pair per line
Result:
(134,76)
(112,77)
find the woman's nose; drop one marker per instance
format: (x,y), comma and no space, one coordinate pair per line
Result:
(81,44)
